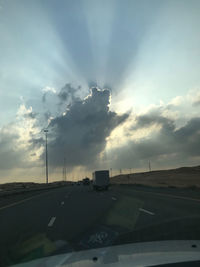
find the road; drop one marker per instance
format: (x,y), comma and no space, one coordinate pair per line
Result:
(75,217)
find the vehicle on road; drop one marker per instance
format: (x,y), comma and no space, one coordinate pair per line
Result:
(101,180)
(86,181)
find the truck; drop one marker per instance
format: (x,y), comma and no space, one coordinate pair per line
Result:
(101,180)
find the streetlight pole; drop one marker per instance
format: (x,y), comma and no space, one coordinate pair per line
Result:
(46,131)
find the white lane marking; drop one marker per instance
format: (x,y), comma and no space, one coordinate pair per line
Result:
(62,203)
(114,198)
(146,211)
(51,222)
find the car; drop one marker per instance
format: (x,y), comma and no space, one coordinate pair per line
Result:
(86,181)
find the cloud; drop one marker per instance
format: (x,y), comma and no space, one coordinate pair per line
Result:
(197,102)
(176,101)
(55,102)
(88,133)
(187,138)
(164,133)
(16,150)
(68,93)
(154,118)
(78,131)
(49,89)
(166,147)
(10,157)
(193,97)
(80,134)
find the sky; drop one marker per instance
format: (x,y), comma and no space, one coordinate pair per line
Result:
(116,83)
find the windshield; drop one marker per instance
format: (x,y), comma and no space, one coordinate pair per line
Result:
(100,126)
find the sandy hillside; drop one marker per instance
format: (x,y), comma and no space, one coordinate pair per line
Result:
(181,177)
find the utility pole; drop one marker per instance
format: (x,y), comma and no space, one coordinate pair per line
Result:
(46,131)
(111,172)
(149,166)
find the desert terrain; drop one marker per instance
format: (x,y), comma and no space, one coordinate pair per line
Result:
(187,177)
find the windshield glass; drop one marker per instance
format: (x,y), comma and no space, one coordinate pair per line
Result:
(100,126)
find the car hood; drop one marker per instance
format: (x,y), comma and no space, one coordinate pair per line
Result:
(137,254)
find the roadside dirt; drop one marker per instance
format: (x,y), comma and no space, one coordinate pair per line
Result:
(188,177)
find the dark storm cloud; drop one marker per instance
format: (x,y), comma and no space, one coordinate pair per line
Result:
(188,138)
(80,134)
(168,147)
(154,118)
(68,93)
(184,140)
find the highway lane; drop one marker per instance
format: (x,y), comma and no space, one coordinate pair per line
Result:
(162,216)
(10,200)
(162,206)
(75,217)
(74,210)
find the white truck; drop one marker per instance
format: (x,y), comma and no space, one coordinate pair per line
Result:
(101,180)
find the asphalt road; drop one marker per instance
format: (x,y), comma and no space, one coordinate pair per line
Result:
(76,218)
